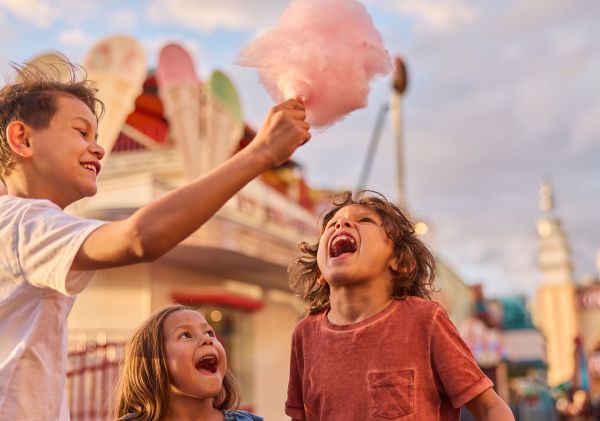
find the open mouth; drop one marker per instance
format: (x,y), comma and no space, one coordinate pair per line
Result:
(93,168)
(209,363)
(342,244)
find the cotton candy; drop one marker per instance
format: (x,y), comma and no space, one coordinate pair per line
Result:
(325,52)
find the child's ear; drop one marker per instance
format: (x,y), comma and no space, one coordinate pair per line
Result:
(407,267)
(395,265)
(17,134)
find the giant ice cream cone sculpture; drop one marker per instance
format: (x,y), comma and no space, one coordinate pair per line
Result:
(182,96)
(224,119)
(117,65)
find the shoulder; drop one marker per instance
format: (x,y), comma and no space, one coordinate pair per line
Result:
(241,416)
(13,203)
(309,324)
(16,212)
(21,210)
(419,307)
(35,215)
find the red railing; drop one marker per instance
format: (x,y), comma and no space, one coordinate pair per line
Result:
(91,376)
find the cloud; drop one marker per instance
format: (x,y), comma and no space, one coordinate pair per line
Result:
(76,36)
(437,16)
(124,19)
(207,16)
(586,130)
(37,12)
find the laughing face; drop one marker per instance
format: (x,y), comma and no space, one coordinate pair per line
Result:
(354,248)
(66,154)
(196,359)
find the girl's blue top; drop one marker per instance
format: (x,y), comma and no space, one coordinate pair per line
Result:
(241,416)
(229,416)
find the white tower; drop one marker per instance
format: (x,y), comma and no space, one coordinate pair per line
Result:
(555,313)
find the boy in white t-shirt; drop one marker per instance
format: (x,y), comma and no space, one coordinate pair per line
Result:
(49,159)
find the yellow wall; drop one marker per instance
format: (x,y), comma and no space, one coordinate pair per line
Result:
(112,306)
(272,342)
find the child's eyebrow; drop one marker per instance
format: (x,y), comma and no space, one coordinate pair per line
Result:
(189,326)
(88,125)
(357,215)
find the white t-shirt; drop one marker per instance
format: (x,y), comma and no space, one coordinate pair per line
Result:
(38,243)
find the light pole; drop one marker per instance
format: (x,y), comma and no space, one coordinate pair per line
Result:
(364,174)
(399,85)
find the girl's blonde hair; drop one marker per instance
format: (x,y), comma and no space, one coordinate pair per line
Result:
(417,262)
(142,391)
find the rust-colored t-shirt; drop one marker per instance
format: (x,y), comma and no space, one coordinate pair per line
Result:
(407,362)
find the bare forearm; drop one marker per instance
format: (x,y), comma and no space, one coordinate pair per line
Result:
(161,225)
(175,216)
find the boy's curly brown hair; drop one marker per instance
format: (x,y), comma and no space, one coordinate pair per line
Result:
(31,98)
(413,255)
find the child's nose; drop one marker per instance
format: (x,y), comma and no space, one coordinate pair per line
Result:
(343,223)
(97,150)
(206,340)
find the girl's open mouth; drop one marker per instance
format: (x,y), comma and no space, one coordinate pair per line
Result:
(208,363)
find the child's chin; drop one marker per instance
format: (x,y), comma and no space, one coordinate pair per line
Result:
(339,280)
(89,191)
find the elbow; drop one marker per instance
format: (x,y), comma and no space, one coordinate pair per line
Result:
(143,245)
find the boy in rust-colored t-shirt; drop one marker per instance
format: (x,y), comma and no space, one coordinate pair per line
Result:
(374,347)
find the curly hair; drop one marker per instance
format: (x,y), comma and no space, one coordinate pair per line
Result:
(142,392)
(31,98)
(413,255)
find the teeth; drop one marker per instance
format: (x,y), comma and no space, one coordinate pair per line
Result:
(90,167)
(209,358)
(343,237)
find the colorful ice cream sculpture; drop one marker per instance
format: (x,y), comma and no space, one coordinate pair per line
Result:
(183,99)
(117,65)
(225,122)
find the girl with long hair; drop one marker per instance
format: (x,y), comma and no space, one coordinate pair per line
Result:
(175,368)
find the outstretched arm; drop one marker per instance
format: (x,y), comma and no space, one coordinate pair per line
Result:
(159,226)
(488,406)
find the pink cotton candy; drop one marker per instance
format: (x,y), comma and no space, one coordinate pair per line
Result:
(324,52)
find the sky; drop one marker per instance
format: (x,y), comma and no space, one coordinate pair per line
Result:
(501,95)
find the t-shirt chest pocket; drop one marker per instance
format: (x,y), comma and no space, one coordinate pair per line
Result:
(391,393)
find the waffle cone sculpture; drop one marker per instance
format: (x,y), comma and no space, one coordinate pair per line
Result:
(225,123)
(117,65)
(182,95)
